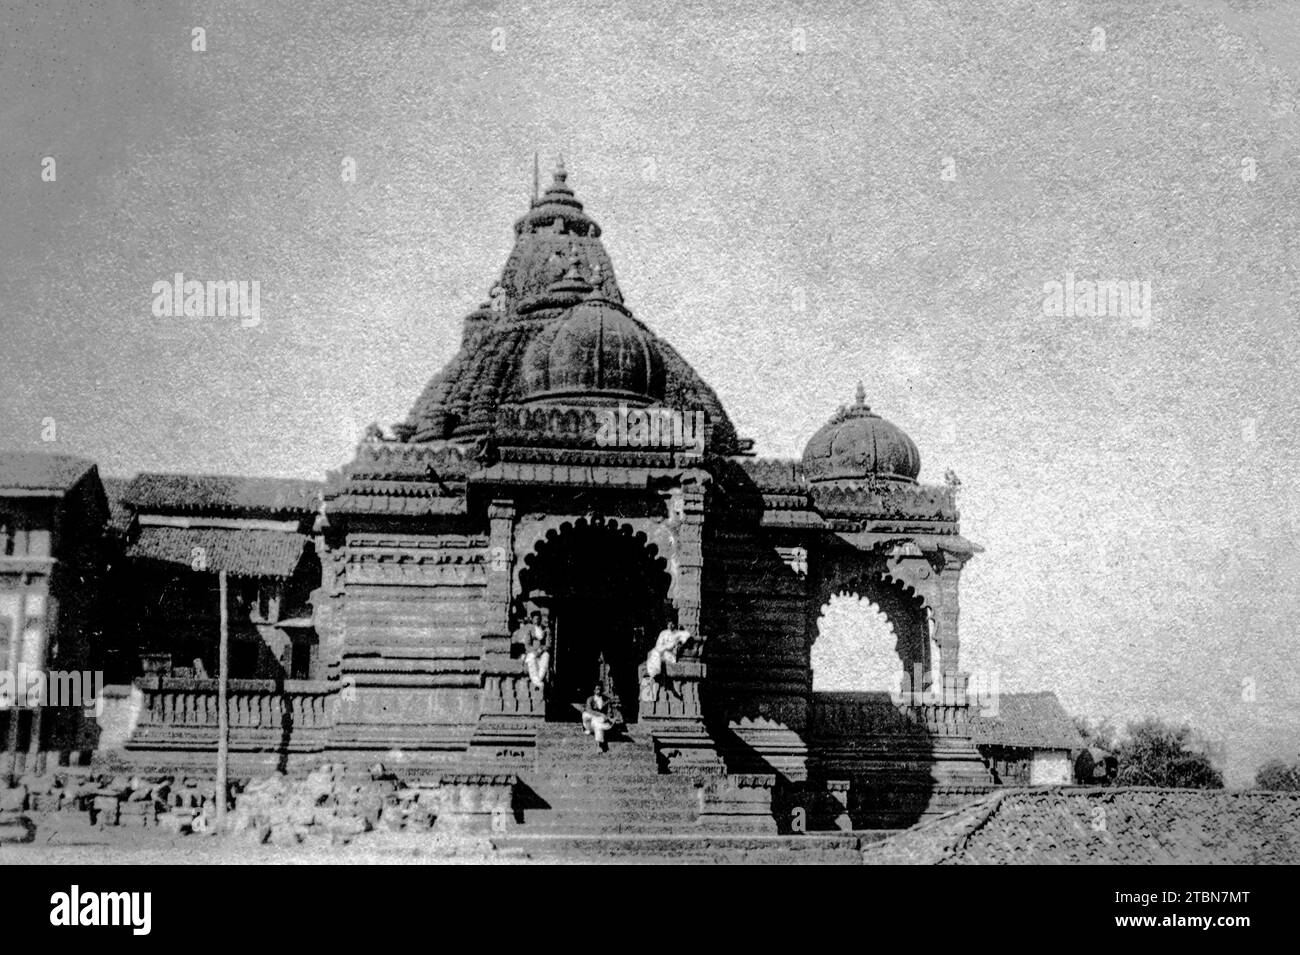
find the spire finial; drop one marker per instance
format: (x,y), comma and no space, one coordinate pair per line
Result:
(560,174)
(861,395)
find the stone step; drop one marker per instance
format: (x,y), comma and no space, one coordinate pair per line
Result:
(556,795)
(605,825)
(656,786)
(596,781)
(595,775)
(590,754)
(582,739)
(589,748)
(607,804)
(595,811)
(701,847)
(598,768)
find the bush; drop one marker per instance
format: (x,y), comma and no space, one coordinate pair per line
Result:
(1278,776)
(1155,753)
(1098,733)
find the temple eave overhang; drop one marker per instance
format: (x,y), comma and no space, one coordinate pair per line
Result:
(442,479)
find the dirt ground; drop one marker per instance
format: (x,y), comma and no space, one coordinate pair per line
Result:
(89,846)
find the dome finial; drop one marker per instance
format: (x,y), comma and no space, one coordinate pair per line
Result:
(561,175)
(861,395)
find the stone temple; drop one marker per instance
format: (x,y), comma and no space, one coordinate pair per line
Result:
(566,461)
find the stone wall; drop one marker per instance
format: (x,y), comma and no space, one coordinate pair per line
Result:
(409,619)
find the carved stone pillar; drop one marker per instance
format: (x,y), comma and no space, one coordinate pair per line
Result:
(675,715)
(945,616)
(510,707)
(501,562)
(687,512)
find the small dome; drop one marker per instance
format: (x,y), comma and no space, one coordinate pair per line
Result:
(594,350)
(857,444)
(476,325)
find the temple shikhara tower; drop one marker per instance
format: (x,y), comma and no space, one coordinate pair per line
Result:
(567,463)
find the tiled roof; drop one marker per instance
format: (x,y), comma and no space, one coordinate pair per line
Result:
(244,553)
(1108,826)
(119,515)
(219,494)
(45,473)
(1034,720)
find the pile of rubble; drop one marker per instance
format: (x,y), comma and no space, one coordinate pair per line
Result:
(328,804)
(177,803)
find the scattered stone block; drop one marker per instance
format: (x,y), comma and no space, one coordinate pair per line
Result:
(15,828)
(105,810)
(46,802)
(284,835)
(176,822)
(41,785)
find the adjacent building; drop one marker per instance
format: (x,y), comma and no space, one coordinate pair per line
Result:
(52,514)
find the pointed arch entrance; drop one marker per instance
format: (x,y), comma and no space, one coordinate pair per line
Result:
(605,589)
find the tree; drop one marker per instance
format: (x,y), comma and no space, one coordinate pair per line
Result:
(1278,776)
(1098,733)
(1155,753)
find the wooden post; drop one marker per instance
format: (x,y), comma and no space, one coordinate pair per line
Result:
(35,753)
(223,715)
(19,700)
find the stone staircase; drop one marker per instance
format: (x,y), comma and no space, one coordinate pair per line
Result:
(578,790)
(584,805)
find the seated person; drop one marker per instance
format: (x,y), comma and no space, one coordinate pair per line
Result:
(596,716)
(537,652)
(665,651)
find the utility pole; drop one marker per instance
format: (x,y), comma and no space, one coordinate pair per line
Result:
(223,715)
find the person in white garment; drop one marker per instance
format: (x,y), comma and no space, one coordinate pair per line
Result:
(537,650)
(670,640)
(595,717)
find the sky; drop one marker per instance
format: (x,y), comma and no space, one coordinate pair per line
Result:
(797,197)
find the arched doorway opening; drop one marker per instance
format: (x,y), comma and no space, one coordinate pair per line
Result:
(605,588)
(870,635)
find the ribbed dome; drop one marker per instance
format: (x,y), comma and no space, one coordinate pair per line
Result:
(857,444)
(595,350)
(557,270)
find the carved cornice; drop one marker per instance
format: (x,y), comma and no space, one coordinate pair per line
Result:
(393,460)
(887,500)
(396,505)
(778,475)
(558,425)
(478,779)
(388,488)
(598,457)
(362,544)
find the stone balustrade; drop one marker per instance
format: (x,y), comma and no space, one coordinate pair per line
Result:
(291,714)
(872,714)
